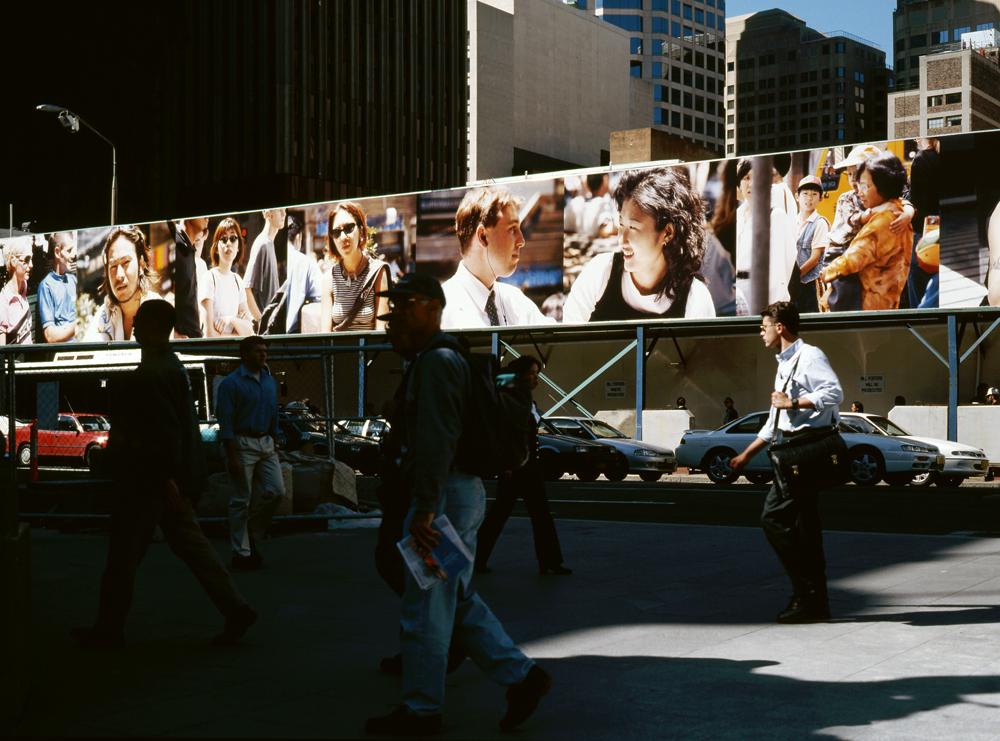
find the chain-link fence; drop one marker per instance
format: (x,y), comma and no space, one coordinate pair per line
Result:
(55,399)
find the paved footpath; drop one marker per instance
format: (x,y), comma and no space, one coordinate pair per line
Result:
(662,632)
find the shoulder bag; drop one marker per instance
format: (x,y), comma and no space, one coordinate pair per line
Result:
(370,285)
(808,461)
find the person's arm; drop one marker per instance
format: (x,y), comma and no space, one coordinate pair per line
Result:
(242,324)
(326,307)
(861,253)
(902,221)
(816,374)
(210,328)
(821,238)
(381,302)
(252,303)
(740,462)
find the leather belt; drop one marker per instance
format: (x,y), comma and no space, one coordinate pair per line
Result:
(256,435)
(742,275)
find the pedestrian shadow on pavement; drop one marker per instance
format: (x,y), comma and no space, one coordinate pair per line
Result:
(696,698)
(927,615)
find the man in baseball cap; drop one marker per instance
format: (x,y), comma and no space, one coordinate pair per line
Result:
(811,242)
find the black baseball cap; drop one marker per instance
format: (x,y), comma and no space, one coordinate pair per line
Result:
(409,285)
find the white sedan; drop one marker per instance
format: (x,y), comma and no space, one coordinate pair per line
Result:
(873,457)
(960,461)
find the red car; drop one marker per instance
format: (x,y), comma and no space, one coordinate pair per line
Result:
(77,436)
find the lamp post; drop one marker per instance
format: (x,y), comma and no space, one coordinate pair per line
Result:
(72,122)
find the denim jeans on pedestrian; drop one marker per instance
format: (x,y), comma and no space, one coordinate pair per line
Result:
(428,616)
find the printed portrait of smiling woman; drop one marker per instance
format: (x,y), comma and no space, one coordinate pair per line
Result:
(661,239)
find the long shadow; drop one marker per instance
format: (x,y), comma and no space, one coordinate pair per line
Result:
(687,698)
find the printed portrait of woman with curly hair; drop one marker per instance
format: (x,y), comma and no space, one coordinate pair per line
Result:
(654,273)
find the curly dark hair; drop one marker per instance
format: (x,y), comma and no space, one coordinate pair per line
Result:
(665,194)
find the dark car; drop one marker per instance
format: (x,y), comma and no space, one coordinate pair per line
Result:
(560,454)
(300,427)
(634,456)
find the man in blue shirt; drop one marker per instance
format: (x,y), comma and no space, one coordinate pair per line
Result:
(247,410)
(809,400)
(57,291)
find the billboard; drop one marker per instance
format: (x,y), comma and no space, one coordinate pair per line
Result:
(884,226)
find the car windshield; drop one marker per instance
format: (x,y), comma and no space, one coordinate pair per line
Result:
(600,429)
(888,427)
(859,424)
(306,420)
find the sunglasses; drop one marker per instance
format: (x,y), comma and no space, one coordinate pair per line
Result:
(347,229)
(234,239)
(25,259)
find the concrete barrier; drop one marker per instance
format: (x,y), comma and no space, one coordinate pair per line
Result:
(663,427)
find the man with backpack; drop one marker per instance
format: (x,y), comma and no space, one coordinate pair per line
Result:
(438,425)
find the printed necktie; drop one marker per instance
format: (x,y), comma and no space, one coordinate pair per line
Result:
(491,310)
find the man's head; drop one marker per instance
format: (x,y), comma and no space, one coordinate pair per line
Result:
(295,233)
(744,176)
(993,395)
(253,353)
(275,218)
(809,193)
(196,230)
(857,407)
(489,230)
(681,402)
(153,322)
(727,401)
(900,401)
(414,317)
(597,184)
(527,367)
(62,249)
(779,320)
(127,274)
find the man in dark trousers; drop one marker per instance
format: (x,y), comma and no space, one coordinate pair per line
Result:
(435,403)
(809,400)
(154,456)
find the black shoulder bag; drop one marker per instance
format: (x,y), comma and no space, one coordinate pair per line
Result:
(808,461)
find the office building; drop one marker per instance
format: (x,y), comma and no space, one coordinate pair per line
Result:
(923,27)
(790,87)
(548,84)
(679,45)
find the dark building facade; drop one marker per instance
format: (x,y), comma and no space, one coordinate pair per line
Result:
(233,105)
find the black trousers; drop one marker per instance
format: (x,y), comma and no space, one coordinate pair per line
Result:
(794,531)
(526,483)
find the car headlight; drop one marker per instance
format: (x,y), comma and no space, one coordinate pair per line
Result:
(647,453)
(918,449)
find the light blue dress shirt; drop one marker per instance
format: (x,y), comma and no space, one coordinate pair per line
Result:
(814,380)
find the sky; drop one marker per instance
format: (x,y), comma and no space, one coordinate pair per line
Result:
(869,19)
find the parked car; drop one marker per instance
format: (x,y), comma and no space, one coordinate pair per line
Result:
(960,461)
(561,454)
(874,457)
(375,428)
(634,456)
(299,426)
(77,436)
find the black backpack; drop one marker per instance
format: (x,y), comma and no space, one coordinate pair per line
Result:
(497,422)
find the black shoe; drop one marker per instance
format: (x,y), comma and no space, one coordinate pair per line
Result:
(255,554)
(392,665)
(236,626)
(481,568)
(247,563)
(523,697)
(558,570)
(804,610)
(97,638)
(401,723)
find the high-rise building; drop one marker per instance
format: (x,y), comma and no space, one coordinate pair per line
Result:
(235,105)
(680,45)
(789,86)
(923,27)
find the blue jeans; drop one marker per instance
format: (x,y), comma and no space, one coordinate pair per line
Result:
(427,617)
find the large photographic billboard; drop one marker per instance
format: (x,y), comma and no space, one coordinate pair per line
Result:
(883,226)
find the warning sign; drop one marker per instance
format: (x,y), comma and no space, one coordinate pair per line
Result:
(614,389)
(872,385)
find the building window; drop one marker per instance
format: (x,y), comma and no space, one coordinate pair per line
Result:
(675,7)
(657,47)
(731,66)
(675,119)
(657,92)
(952,98)
(935,100)
(730,105)
(688,100)
(730,149)
(710,106)
(791,55)
(699,126)
(918,41)
(840,47)
(939,37)
(675,74)
(687,12)
(840,133)
(710,129)
(688,77)
(699,82)
(675,96)
(657,70)
(711,84)
(957,36)
(699,16)
(635,68)
(710,20)
(675,29)
(984,26)
(635,46)
(658,116)
(840,71)
(935,123)
(952,120)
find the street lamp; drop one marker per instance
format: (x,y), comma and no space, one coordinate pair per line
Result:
(72,122)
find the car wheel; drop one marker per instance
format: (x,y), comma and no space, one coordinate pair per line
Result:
(650,476)
(618,471)
(921,479)
(940,480)
(898,479)
(24,455)
(587,474)
(867,468)
(716,465)
(759,478)
(88,455)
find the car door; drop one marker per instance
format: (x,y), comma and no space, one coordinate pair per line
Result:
(742,433)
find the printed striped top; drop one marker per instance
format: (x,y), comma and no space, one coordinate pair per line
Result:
(345,293)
